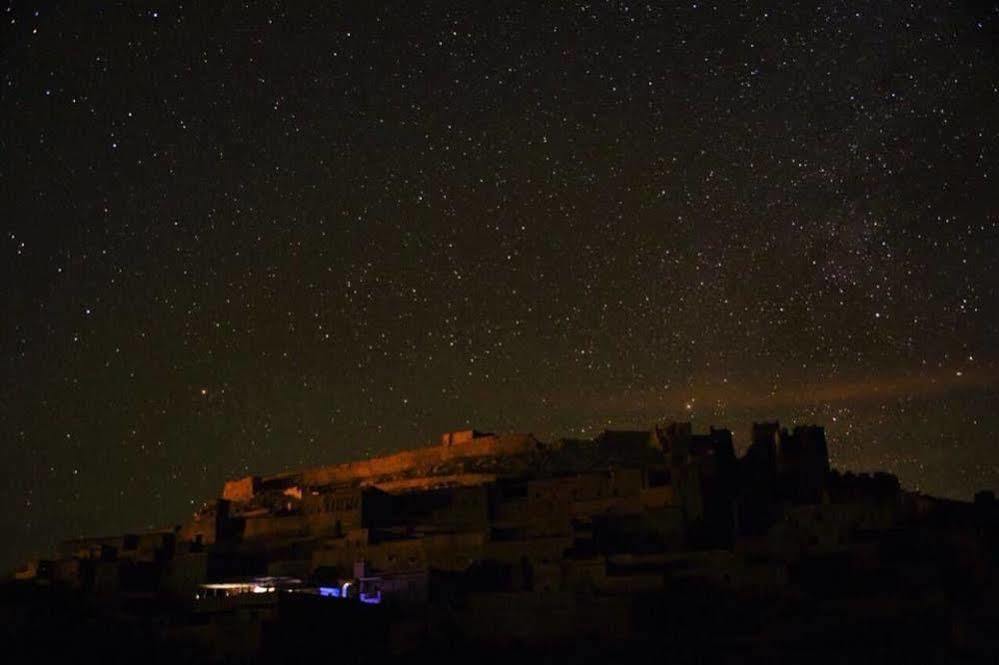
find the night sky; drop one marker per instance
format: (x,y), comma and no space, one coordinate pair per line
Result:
(246,237)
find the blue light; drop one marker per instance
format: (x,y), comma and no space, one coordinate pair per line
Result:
(329,591)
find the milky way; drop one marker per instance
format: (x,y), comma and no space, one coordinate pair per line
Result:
(244,238)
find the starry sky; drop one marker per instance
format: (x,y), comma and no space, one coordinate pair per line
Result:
(246,237)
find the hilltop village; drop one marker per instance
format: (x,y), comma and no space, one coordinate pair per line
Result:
(510,540)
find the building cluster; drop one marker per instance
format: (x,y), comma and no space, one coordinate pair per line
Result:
(506,526)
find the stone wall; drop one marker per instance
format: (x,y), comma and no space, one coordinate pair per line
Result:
(453,552)
(275,527)
(433,482)
(420,460)
(240,490)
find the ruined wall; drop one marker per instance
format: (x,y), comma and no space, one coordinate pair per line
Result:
(201,529)
(323,523)
(461,437)
(549,503)
(467,509)
(183,574)
(431,482)
(587,486)
(412,462)
(274,527)
(90,548)
(453,552)
(329,512)
(589,494)
(535,550)
(542,515)
(659,497)
(240,490)
(66,572)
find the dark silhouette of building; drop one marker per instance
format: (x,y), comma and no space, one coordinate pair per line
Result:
(507,539)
